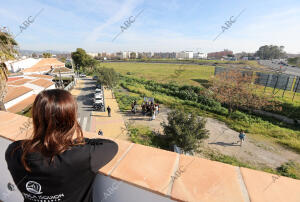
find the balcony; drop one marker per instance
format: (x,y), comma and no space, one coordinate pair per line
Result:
(141,173)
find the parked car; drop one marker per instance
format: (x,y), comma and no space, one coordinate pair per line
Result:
(98,90)
(98,85)
(82,75)
(95,77)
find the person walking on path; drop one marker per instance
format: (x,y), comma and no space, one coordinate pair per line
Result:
(156,109)
(108,111)
(242,137)
(100,132)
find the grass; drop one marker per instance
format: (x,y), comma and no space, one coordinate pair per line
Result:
(275,131)
(143,135)
(182,74)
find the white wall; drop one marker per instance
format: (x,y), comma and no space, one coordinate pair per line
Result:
(23,64)
(51,87)
(18,99)
(5,194)
(107,189)
(36,89)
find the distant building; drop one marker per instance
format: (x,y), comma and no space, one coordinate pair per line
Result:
(219,55)
(185,55)
(200,55)
(164,55)
(123,55)
(145,55)
(92,54)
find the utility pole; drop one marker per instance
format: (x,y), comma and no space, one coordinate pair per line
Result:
(61,82)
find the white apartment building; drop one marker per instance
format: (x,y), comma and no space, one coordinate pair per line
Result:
(200,55)
(185,55)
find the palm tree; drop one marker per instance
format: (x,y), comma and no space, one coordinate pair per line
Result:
(7,52)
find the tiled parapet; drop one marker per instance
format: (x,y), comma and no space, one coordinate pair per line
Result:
(180,177)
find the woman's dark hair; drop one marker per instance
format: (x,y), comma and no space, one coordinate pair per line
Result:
(54,115)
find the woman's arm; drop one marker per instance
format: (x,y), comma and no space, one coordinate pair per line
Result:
(102,151)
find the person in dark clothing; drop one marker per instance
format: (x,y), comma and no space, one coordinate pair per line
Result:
(100,132)
(57,163)
(108,111)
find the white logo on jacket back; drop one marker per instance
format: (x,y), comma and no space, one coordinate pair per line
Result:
(33,187)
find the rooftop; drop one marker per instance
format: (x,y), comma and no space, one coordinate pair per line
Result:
(14,92)
(22,105)
(43,83)
(44,64)
(179,177)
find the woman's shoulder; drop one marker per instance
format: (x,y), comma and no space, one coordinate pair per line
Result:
(13,147)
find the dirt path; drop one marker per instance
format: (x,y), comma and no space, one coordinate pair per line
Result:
(224,140)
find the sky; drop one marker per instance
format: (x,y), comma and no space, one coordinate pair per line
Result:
(162,26)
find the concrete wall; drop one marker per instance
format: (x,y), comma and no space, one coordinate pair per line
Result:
(5,194)
(107,189)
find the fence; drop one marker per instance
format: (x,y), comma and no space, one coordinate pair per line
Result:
(70,86)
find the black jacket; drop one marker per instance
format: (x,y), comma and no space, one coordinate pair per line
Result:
(68,178)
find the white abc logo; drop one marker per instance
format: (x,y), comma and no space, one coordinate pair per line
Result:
(33,187)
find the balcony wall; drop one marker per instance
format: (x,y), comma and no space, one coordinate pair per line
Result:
(141,173)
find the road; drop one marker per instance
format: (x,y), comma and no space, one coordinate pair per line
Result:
(285,69)
(85,103)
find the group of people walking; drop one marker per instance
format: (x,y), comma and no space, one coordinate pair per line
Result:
(149,108)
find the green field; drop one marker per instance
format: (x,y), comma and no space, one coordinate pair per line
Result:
(182,74)
(186,75)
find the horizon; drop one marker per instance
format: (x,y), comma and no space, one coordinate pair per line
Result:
(171,26)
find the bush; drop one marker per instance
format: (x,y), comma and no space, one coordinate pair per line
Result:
(289,169)
(184,130)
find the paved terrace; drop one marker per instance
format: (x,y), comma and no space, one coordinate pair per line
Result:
(171,176)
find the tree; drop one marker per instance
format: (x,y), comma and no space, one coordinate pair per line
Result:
(236,91)
(34,55)
(82,59)
(47,55)
(107,77)
(7,52)
(62,59)
(185,130)
(270,52)
(132,55)
(294,61)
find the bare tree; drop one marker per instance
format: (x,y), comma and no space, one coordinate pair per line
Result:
(237,91)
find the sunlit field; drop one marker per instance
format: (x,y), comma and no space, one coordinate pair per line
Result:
(182,74)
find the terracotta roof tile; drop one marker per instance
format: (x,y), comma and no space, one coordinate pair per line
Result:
(146,167)
(14,92)
(41,76)
(263,187)
(43,83)
(204,180)
(13,78)
(45,65)
(19,82)
(22,105)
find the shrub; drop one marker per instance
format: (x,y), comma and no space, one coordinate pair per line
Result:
(184,130)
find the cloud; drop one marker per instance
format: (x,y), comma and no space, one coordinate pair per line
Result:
(125,11)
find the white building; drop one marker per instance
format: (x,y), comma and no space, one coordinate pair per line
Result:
(15,66)
(22,90)
(185,55)
(92,54)
(200,55)
(123,54)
